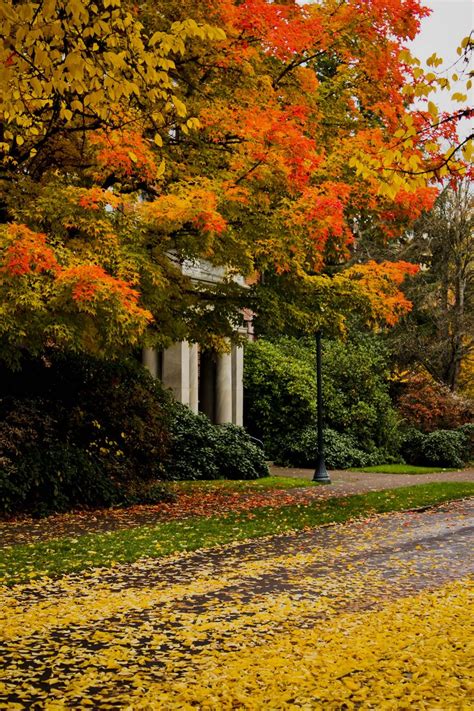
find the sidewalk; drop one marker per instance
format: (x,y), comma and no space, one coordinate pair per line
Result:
(344,483)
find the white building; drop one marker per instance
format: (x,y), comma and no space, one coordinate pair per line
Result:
(206,382)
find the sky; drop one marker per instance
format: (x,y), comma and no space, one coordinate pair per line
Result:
(442,32)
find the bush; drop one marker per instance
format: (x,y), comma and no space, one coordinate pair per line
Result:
(37,472)
(340,451)
(412,446)
(427,405)
(280,392)
(468,431)
(113,410)
(77,432)
(61,477)
(201,450)
(238,457)
(443,448)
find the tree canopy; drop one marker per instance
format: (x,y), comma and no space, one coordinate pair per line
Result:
(438,333)
(258,136)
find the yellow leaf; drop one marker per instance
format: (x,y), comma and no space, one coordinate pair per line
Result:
(161,169)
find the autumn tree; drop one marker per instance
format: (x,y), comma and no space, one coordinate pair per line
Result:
(255,135)
(439,331)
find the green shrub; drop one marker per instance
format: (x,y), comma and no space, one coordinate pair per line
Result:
(280,392)
(113,410)
(238,457)
(193,444)
(201,450)
(38,473)
(468,431)
(444,448)
(76,431)
(340,451)
(412,446)
(60,478)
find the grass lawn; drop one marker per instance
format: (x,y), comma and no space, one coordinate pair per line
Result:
(400,469)
(51,558)
(263,484)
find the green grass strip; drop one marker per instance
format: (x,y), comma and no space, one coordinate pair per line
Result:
(51,558)
(264,484)
(400,469)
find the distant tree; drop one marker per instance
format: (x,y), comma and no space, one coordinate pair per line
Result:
(439,331)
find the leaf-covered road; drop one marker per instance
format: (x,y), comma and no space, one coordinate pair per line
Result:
(371,614)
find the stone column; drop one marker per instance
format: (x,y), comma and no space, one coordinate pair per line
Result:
(175,374)
(150,361)
(224,388)
(238,385)
(194,377)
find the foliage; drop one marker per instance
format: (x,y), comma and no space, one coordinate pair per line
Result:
(80,431)
(58,478)
(112,408)
(428,405)
(445,448)
(370,293)
(340,451)
(254,135)
(201,450)
(468,431)
(438,331)
(280,393)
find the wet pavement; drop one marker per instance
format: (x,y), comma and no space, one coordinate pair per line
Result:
(175,610)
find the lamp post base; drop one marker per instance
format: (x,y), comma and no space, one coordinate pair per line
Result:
(320,473)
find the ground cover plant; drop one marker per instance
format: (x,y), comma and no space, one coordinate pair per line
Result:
(399,469)
(55,557)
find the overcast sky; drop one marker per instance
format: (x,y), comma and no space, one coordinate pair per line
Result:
(442,32)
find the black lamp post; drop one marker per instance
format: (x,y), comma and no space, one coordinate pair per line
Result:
(320,473)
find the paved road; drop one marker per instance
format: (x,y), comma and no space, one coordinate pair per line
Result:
(143,619)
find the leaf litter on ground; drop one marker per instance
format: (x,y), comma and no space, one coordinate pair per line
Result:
(311,620)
